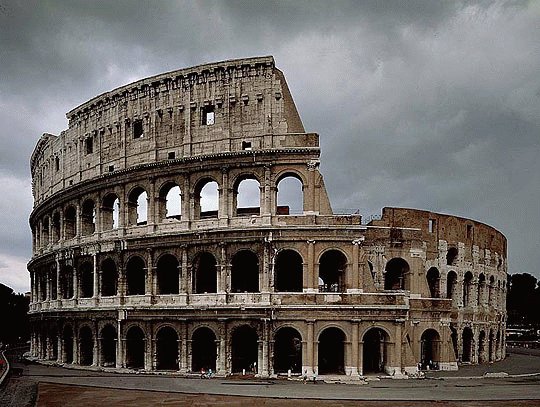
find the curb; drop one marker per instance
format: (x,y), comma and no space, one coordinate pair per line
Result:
(4,375)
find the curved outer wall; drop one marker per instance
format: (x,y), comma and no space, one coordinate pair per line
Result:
(120,283)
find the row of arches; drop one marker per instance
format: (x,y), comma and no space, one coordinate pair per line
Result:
(199,276)
(110,212)
(487,346)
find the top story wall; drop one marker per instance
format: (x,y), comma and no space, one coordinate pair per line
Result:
(219,107)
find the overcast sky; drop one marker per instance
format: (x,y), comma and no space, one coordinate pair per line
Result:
(432,105)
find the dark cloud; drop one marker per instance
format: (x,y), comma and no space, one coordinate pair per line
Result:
(424,104)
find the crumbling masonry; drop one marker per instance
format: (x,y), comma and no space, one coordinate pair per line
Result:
(147,256)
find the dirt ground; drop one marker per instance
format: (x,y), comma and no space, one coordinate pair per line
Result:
(55,395)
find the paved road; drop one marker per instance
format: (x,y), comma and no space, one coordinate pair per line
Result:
(429,389)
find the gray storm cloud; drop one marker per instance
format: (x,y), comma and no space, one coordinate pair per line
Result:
(426,104)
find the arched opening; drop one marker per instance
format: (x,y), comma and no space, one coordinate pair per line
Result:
(137,207)
(170,201)
(331,351)
(66,282)
(70,222)
(467,288)
(481,289)
(110,212)
(67,344)
(88,217)
(433,279)
(244,349)
(288,271)
(247,199)
(108,346)
(135,276)
(290,196)
(245,272)
(396,274)
(45,227)
(206,199)
(451,286)
(53,340)
(491,292)
(491,348)
(430,349)
(109,278)
(135,348)
(203,350)
(86,275)
(467,343)
(482,347)
(332,269)
(374,351)
(287,351)
(167,349)
(56,228)
(451,256)
(204,272)
(52,282)
(167,274)
(86,346)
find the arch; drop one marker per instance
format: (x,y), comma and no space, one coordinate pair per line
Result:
(206,199)
(375,352)
(168,274)
(70,222)
(86,346)
(481,289)
(288,271)
(491,292)
(88,217)
(167,349)
(430,349)
(136,276)
(135,348)
(45,229)
(491,346)
(110,211)
(451,256)
(170,201)
(332,271)
(86,276)
(451,286)
(433,280)
(66,282)
(244,349)
(396,274)
(108,346)
(203,349)
(53,340)
(137,207)
(287,350)
(290,194)
(109,278)
(467,343)
(247,196)
(331,355)
(67,344)
(56,227)
(481,347)
(245,272)
(204,273)
(467,288)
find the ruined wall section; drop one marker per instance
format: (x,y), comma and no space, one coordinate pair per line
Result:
(229,106)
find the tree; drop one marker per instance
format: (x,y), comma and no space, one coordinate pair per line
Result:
(523,299)
(14,326)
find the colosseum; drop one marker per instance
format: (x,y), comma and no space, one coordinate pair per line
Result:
(181,223)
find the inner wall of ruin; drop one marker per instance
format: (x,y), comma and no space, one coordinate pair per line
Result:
(163,241)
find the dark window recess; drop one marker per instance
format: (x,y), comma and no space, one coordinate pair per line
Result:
(138,129)
(57,163)
(171,155)
(111,168)
(469,231)
(431,225)
(208,115)
(89,145)
(246,145)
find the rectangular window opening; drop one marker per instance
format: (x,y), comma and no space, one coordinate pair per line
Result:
(89,145)
(469,231)
(208,115)
(171,155)
(138,131)
(111,168)
(431,225)
(57,164)
(246,145)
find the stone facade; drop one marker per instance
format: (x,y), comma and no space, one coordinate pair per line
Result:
(146,256)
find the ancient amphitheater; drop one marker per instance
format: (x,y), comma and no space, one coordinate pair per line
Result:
(163,240)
